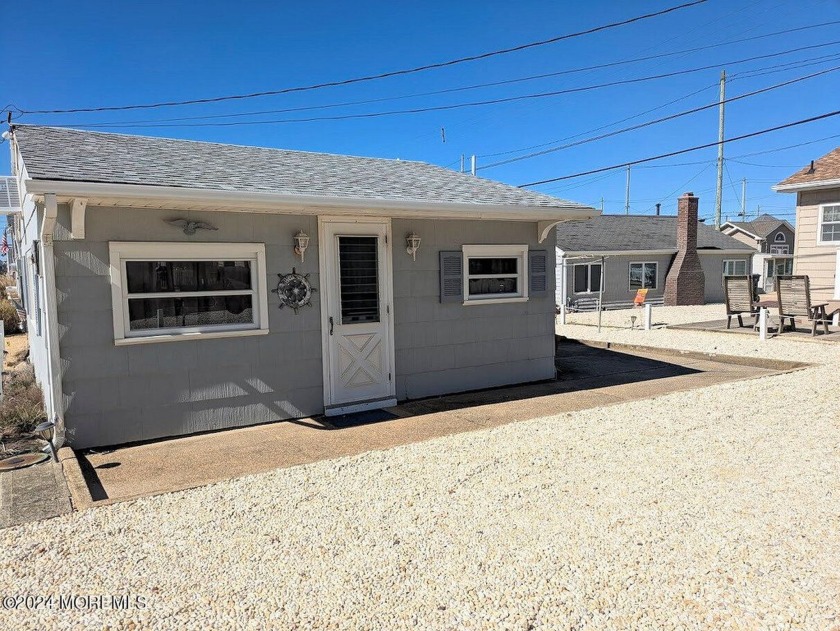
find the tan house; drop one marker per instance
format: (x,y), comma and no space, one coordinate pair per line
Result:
(817,246)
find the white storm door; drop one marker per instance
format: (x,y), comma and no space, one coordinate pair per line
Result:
(357,317)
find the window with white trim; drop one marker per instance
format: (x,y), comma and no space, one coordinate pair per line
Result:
(643,275)
(780,237)
(829,223)
(779,249)
(495,273)
(587,278)
(179,290)
(735,267)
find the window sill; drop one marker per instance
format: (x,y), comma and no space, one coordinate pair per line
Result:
(494,301)
(182,337)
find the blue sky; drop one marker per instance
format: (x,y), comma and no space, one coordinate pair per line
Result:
(62,55)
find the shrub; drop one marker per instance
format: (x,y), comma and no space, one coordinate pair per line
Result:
(6,281)
(9,315)
(22,407)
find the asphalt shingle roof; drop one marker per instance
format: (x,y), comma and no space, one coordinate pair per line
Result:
(825,168)
(761,226)
(52,153)
(615,233)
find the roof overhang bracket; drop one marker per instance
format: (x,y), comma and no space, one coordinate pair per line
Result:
(77,218)
(544,227)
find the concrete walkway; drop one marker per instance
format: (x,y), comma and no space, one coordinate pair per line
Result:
(589,377)
(32,494)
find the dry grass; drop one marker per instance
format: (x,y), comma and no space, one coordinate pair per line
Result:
(9,315)
(22,407)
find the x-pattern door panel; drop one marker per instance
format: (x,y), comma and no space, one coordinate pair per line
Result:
(357,293)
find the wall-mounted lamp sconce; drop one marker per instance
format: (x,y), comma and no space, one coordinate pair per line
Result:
(301,243)
(412,243)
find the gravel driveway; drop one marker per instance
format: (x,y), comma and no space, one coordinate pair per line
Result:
(710,508)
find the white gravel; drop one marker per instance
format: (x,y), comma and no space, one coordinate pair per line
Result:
(714,508)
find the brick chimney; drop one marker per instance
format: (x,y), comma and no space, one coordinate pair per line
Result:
(686,283)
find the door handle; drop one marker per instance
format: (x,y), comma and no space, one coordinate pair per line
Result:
(331,326)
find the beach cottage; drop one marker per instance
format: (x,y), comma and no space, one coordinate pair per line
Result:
(174,287)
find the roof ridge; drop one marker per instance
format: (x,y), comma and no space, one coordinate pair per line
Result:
(218,144)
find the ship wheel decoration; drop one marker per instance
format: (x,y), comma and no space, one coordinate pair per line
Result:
(294,290)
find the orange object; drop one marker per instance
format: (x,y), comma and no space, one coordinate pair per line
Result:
(639,300)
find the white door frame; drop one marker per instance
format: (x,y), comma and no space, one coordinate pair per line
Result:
(327,309)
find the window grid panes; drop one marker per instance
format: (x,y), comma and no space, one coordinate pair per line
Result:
(643,275)
(587,277)
(735,268)
(830,228)
(169,295)
(495,273)
(493,276)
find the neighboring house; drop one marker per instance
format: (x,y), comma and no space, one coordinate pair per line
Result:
(773,240)
(155,268)
(631,252)
(817,251)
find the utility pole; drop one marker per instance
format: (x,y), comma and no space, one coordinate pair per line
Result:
(719,193)
(472,163)
(462,163)
(744,198)
(602,205)
(627,193)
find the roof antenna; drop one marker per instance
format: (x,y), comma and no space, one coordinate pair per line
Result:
(9,118)
(811,170)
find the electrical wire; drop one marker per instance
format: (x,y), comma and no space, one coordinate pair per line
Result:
(658,120)
(451,90)
(453,106)
(623,120)
(384,75)
(687,150)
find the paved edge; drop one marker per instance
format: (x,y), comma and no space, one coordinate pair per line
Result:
(80,497)
(738,360)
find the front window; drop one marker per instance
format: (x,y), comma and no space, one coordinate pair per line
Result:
(780,237)
(779,249)
(168,290)
(830,224)
(643,275)
(587,278)
(495,273)
(735,268)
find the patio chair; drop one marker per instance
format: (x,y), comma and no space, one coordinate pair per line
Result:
(794,296)
(738,292)
(639,300)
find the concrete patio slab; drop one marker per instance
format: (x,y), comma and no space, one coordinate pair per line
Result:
(802,332)
(589,377)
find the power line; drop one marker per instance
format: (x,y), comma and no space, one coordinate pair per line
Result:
(438,108)
(623,120)
(682,151)
(464,88)
(658,120)
(384,75)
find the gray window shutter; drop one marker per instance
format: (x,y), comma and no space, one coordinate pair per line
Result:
(451,276)
(537,272)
